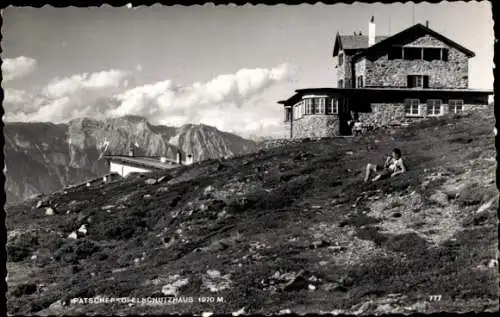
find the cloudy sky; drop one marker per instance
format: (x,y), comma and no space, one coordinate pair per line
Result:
(222,66)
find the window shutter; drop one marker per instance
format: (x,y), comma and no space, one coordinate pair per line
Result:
(410,81)
(426,81)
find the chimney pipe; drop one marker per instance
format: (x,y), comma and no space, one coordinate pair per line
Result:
(427,23)
(371,32)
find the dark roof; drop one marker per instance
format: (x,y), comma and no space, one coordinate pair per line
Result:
(147,162)
(415,30)
(353,42)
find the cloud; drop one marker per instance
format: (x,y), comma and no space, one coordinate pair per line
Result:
(19,67)
(164,99)
(58,88)
(230,102)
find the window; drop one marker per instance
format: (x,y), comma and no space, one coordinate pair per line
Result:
(444,55)
(412,53)
(315,105)
(341,59)
(433,107)
(360,81)
(332,106)
(432,53)
(341,84)
(411,107)
(418,81)
(308,106)
(288,114)
(321,107)
(455,106)
(396,52)
(301,109)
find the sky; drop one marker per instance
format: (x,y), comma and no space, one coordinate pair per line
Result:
(225,66)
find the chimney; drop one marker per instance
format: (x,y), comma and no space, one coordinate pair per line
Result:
(371,32)
(179,158)
(426,23)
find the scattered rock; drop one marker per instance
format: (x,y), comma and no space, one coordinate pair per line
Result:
(493,263)
(298,282)
(150,181)
(73,235)
(147,196)
(238,312)
(163,189)
(175,282)
(486,205)
(49,211)
(440,198)
(206,314)
(208,190)
(42,203)
(161,179)
(349,152)
(137,261)
(311,287)
(216,282)
(285,311)
(82,229)
(107,207)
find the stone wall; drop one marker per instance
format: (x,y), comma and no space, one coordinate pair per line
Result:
(360,70)
(344,72)
(385,114)
(316,126)
(472,108)
(383,72)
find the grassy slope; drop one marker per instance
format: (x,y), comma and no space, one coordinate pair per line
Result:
(364,247)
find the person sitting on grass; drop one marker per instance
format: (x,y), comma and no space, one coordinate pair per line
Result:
(393,166)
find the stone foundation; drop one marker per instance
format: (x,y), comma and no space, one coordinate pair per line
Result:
(471,108)
(386,114)
(316,126)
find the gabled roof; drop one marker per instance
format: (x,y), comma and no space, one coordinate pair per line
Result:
(417,29)
(353,42)
(146,162)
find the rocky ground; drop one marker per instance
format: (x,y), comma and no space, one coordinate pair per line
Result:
(289,229)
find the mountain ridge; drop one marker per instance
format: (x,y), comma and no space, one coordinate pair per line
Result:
(42,157)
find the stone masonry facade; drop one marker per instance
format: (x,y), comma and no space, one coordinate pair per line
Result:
(383,72)
(344,71)
(316,126)
(385,114)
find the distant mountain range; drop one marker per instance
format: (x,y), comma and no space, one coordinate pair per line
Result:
(45,157)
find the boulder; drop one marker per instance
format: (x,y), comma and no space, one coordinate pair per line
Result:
(440,198)
(150,181)
(42,203)
(49,211)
